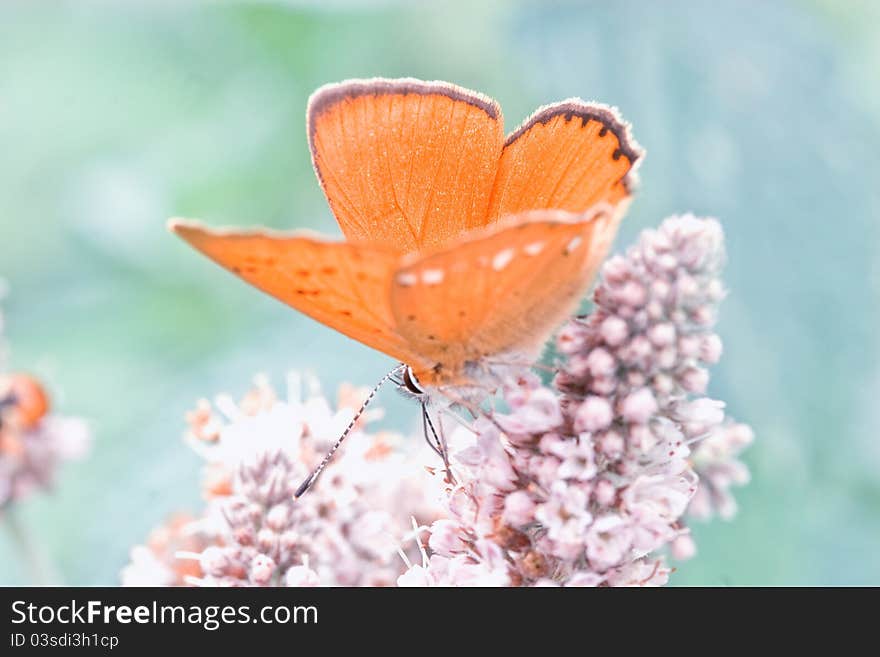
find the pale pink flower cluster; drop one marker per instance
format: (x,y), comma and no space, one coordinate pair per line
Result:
(715,460)
(29,458)
(33,440)
(345,531)
(586,483)
(156,564)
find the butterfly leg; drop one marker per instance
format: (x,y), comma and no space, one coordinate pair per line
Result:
(449,478)
(442,432)
(440,441)
(471,408)
(458,418)
(434,445)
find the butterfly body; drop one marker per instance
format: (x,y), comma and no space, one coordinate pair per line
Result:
(464,250)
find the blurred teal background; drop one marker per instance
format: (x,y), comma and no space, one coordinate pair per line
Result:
(115,116)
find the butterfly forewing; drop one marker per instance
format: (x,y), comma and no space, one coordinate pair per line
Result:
(344,286)
(568,156)
(405,164)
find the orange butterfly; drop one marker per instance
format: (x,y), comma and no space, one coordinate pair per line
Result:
(464,250)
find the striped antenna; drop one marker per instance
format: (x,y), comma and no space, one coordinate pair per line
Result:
(304,486)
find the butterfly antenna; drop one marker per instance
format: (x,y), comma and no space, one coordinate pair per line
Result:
(304,486)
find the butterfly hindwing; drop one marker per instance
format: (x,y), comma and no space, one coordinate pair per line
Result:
(405,164)
(567,156)
(343,286)
(504,291)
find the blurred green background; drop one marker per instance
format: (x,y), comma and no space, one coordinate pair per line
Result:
(115,116)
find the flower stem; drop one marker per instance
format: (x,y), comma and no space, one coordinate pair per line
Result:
(39,568)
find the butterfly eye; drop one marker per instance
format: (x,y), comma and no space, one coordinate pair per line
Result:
(411,383)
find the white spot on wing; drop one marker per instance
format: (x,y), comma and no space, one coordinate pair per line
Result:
(575,243)
(502,259)
(534,248)
(432,276)
(406,279)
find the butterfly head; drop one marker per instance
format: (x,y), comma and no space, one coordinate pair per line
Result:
(409,384)
(468,385)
